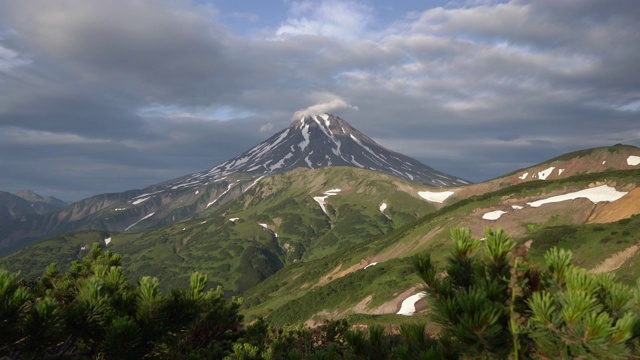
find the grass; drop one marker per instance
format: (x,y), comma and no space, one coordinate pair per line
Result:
(591,244)
(286,289)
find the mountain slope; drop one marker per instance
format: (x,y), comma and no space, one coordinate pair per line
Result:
(587,161)
(316,141)
(376,279)
(282,219)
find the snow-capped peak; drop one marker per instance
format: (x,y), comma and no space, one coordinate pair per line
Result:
(321,140)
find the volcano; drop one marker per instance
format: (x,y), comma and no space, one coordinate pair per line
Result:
(318,141)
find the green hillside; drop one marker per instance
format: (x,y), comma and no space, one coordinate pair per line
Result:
(276,222)
(301,286)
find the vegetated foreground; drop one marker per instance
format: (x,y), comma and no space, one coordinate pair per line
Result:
(489,301)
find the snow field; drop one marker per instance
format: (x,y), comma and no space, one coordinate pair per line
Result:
(136,223)
(408,306)
(542,175)
(493,215)
(139,201)
(321,199)
(603,193)
(372,264)
(633,160)
(596,195)
(438,197)
(383,207)
(221,195)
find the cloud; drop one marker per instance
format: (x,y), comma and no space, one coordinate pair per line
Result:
(266,128)
(10,58)
(136,92)
(347,20)
(322,108)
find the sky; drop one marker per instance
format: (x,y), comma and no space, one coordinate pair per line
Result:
(111,95)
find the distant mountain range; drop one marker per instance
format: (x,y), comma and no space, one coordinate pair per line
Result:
(25,202)
(313,142)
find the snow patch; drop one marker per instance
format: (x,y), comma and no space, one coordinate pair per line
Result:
(320,199)
(408,306)
(139,201)
(306,159)
(438,197)
(147,195)
(197,191)
(188,184)
(120,209)
(372,264)
(107,240)
(136,223)
(493,215)
(353,161)
(596,195)
(365,147)
(221,195)
(560,171)
(633,160)
(233,219)
(263,225)
(305,135)
(523,176)
(281,162)
(383,207)
(542,175)
(255,182)
(517,207)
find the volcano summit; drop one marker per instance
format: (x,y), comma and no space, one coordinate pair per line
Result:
(318,141)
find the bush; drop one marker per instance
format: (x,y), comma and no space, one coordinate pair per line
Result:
(92,311)
(495,304)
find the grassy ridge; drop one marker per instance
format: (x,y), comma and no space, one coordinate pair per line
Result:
(287,289)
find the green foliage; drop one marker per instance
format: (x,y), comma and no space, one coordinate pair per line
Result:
(583,315)
(497,305)
(93,311)
(490,302)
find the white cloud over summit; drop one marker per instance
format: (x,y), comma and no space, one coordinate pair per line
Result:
(323,108)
